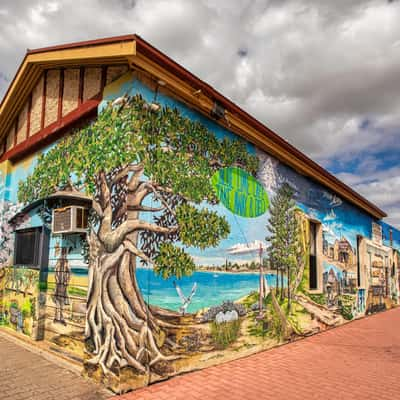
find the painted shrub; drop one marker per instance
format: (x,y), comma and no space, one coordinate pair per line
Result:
(180,274)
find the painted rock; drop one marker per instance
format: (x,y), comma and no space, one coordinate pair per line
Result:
(227,316)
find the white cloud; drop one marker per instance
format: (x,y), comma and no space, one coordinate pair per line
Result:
(380,187)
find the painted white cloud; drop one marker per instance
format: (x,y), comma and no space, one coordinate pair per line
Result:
(247,248)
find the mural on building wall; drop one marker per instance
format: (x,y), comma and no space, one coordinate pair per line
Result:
(7,211)
(198,247)
(163,170)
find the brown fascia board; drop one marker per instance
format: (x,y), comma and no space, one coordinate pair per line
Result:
(86,43)
(180,72)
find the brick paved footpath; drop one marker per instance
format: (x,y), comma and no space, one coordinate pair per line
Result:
(28,374)
(360,360)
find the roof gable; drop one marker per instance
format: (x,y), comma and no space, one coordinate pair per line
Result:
(92,53)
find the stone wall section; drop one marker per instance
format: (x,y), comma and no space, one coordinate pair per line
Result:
(22,124)
(92,82)
(36,109)
(10,138)
(71,90)
(52,93)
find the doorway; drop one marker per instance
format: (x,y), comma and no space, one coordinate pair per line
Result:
(313,278)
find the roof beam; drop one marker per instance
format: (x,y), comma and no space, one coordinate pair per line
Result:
(53,131)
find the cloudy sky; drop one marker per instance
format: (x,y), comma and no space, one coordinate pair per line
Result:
(325,75)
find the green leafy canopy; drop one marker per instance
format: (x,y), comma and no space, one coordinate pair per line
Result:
(177,152)
(177,156)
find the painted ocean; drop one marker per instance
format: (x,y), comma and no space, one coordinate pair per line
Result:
(212,288)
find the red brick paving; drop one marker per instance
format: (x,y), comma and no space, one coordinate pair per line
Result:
(360,360)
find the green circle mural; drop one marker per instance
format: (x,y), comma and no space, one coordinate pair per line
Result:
(240,192)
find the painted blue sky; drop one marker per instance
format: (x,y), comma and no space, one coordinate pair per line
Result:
(324,75)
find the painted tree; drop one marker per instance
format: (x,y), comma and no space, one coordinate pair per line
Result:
(275,249)
(148,171)
(284,238)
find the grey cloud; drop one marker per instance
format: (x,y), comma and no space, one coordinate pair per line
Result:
(380,187)
(312,70)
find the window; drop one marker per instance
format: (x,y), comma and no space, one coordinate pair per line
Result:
(81,218)
(30,247)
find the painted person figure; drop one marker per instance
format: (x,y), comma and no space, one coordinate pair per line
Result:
(62,275)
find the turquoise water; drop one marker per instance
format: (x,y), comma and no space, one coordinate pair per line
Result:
(212,288)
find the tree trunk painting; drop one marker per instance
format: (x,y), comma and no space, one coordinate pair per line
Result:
(122,327)
(285,248)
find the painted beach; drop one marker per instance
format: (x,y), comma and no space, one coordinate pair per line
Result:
(212,288)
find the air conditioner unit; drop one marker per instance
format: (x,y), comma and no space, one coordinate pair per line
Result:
(71,219)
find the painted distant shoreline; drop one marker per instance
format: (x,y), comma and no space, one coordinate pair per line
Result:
(215,270)
(236,271)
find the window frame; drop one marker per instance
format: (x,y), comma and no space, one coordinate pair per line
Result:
(37,250)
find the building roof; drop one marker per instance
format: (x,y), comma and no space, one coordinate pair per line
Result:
(53,199)
(141,55)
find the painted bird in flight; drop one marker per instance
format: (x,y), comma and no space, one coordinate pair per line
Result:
(185,300)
